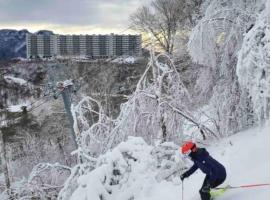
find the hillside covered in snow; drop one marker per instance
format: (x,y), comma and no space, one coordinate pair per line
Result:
(130,116)
(233,50)
(135,170)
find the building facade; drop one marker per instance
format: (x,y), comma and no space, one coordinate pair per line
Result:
(86,46)
(40,46)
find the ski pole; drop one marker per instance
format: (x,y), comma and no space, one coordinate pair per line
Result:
(182,189)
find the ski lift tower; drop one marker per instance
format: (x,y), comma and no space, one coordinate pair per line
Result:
(66,89)
(61,83)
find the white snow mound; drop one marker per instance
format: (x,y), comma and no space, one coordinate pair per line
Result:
(125,60)
(11,79)
(133,170)
(137,171)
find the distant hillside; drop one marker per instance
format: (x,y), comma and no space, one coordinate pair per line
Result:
(12,43)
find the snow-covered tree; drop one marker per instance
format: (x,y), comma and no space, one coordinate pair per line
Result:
(253,68)
(156,111)
(219,34)
(214,43)
(120,172)
(44,182)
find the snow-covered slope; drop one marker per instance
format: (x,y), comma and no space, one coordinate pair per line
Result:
(135,170)
(132,170)
(245,156)
(11,79)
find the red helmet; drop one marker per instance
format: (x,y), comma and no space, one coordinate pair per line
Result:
(188,147)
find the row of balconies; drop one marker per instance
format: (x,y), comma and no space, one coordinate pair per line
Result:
(107,48)
(82,47)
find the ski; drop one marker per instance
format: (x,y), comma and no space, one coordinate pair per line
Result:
(216,192)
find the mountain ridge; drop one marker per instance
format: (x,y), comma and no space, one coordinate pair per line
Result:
(13,44)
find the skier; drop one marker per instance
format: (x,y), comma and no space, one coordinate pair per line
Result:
(215,172)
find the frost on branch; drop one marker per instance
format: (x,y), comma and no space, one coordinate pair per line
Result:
(167,161)
(91,126)
(129,170)
(253,68)
(214,43)
(156,111)
(44,182)
(218,36)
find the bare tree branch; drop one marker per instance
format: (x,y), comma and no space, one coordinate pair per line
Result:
(163,19)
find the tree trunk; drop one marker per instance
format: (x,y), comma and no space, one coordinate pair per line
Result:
(164,131)
(4,162)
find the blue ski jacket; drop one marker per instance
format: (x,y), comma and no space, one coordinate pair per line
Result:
(208,165)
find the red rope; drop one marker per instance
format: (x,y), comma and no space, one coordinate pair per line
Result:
(243,186)
(256,185)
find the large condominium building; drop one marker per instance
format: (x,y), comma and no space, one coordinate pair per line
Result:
(89,46)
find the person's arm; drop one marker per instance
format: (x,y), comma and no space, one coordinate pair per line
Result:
(189,172)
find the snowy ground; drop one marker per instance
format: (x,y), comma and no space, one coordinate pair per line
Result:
(19,107)
(11,79)
(140,172)
(125,60)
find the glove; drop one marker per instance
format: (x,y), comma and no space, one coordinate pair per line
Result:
(183,176)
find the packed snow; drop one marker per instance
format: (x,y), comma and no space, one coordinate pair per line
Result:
(19,107)
(11,79)
(135,170)
(125,60)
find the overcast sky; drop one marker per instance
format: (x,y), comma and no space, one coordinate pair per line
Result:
(68,16)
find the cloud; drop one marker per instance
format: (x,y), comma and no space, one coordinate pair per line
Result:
(68,13)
